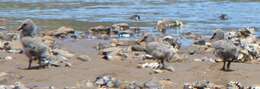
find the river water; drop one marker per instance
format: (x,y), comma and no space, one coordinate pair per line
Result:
(200,16)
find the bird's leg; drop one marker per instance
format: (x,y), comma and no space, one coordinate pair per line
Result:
(162,63)
(39,62)
(30,62)
(228,65)
(224,65)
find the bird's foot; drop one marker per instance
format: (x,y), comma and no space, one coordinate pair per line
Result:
(226,70)
(168,68)
(223,69)
(229,70)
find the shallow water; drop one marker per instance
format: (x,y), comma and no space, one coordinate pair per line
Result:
(200,16)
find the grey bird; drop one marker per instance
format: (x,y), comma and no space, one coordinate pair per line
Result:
(227,51)
(33,47)
(162,52)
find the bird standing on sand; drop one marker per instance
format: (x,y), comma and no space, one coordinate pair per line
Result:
(227,51)
(33,47)
(162,52)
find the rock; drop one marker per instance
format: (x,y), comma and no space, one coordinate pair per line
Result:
(89,84)
(6,46)
(157,71)
(187,86)
(111,53)
(190,35)
(78,35)
(135,29)
(8,36)
(63,53)
(19,85)
(102,45)
(84,58)
(110,84)
(107,81)
(63,31)
(133,85)
(201,84)
(234,85)
(114,42)
(68,64)
(253,87)
(153,65)
(100,30)
(169,68)
(2,74)
(58,60)
(51,87)
(3,77)
(107,56)
(117,83)
(100,82)
(152,84)
(137,48)
(125,34)
(218,60)
(120,26)
(15,51)
(198,60)
(191,52)
(200,42)
(8,58)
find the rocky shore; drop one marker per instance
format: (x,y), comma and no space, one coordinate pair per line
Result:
(121,56)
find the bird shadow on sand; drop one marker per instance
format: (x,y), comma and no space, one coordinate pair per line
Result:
(32,68)
(229,70)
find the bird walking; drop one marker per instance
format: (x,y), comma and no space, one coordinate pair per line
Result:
(33,47)
(162,52)
(227,51)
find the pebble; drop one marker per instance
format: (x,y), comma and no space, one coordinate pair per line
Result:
(8,58)
(152,84)
(107,81)
(68,64)
(89,84)
(19,85)
(200,42)
(84,58)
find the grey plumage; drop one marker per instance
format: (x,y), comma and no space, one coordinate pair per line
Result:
(227,51)
(28,28)
(34,48)
(218,35)
(172,41)
(159,51)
